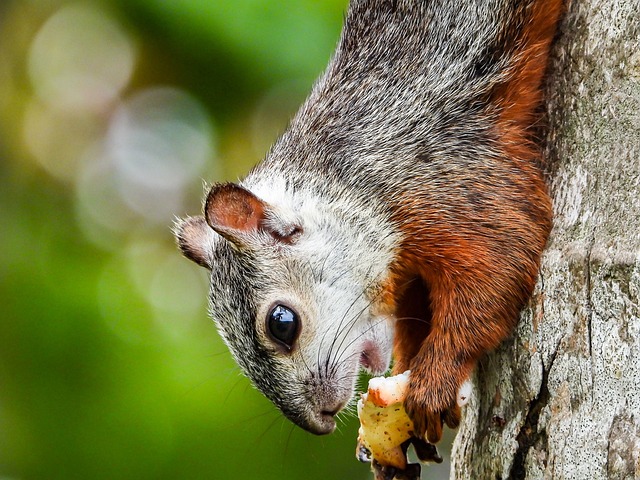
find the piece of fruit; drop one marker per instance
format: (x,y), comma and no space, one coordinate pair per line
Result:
(386,431)
(384,423)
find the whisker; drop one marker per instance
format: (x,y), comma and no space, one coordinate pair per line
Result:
(404,285)
(401,319)
(341,327)
(348,325)
(339,359)
(236,383)
(217,354)
(286,448)
(354,320)
(338,277)
(260,437)
(299,353)
(243,422)
(321,276)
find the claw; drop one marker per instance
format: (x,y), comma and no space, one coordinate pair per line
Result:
(363,454)
(426,452)
(382,472)
(412,472)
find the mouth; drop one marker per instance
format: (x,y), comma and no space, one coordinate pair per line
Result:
(320,424)
(325,400)
(322,421)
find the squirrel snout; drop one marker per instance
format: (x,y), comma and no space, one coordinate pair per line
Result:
(321,419)
(322,426)
(326,417)
(331,413)
(323,402)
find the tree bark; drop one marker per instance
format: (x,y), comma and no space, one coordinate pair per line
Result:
(561,398)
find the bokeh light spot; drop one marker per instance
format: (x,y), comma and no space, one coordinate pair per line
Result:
(159,140)
(57,140)
(161,137)
(80,59)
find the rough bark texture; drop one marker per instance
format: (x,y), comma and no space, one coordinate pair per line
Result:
(561,399)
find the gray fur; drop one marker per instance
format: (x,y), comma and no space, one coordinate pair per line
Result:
(403,107)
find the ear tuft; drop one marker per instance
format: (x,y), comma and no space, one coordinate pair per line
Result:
(196,240)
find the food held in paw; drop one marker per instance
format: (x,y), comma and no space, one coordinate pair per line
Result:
(384,423)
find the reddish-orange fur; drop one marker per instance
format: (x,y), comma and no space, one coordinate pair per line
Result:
(457,295)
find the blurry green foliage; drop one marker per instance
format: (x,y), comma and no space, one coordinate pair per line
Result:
(104,374)
(230,52)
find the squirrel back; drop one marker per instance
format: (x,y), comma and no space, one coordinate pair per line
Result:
(404,207)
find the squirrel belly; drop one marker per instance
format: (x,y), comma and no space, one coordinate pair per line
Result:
(409,187)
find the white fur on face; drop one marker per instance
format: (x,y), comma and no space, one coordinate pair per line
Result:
(331,276)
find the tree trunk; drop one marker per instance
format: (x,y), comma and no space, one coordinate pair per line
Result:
(561,399)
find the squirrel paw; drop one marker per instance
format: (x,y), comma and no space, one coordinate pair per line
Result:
(428,422)
(426,452)
(411,472)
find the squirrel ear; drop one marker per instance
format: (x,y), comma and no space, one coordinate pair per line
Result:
(231,210)
(196,240)
(235,213)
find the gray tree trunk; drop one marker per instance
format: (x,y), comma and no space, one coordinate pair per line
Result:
(561,399)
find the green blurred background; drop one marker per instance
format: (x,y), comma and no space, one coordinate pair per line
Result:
(112,115)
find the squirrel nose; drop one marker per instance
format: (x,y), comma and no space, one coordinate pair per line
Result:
(324,400)
(331,413)
(331,407)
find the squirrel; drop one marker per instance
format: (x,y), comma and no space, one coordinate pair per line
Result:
(403,212)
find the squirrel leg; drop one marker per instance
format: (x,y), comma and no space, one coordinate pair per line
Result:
(431,399)
(465,324)
(413,323)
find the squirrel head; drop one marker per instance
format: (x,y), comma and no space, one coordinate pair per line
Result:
(292,295)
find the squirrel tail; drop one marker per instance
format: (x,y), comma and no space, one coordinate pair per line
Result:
(529,37)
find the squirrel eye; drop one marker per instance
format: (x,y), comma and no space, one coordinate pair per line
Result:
(283,325)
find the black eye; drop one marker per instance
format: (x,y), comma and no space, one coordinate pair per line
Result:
(283,325)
